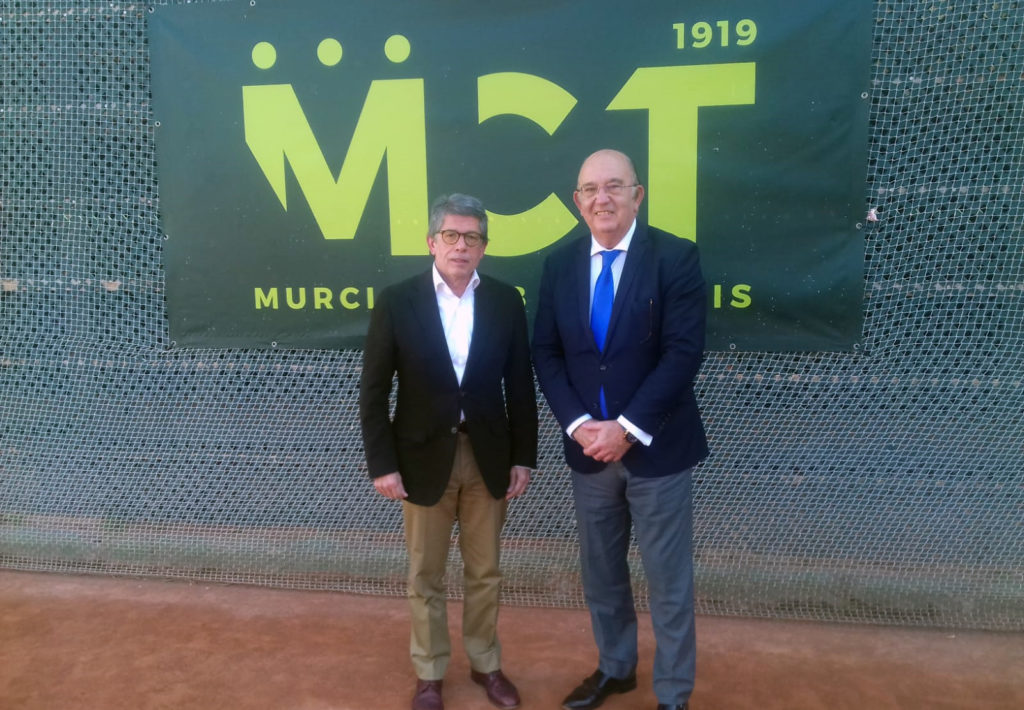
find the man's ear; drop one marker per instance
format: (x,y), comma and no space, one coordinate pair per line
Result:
(639,194)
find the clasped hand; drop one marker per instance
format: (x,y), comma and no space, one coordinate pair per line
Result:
(602,440)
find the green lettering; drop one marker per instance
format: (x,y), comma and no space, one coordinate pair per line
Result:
(322,298)
(391,124)
(344,298)
(672,96)
(740,296)
(266,299)
(292,303)
(546,104)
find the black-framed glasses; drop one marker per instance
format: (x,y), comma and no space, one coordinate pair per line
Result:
(450,236)
(612,189)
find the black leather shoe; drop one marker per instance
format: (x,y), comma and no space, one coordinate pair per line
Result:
(593,691)
(663,706)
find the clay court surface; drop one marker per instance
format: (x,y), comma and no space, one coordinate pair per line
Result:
(104,643)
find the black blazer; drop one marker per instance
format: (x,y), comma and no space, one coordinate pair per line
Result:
(497,392)
(654,348)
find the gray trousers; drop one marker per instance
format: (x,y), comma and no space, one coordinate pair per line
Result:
(661,511)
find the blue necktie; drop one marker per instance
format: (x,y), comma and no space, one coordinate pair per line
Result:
(604,294)
(601,309)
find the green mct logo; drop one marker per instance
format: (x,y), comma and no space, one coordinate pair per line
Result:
(392,124)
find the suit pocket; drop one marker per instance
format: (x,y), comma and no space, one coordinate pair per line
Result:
(643,319)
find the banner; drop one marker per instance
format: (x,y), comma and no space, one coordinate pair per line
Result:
(299,145)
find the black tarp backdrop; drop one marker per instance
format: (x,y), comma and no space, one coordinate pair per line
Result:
(774,200)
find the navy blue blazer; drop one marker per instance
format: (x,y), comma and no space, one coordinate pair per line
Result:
(497,393)
(654,348)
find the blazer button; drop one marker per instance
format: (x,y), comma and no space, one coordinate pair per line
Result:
(603,368)
(455,430)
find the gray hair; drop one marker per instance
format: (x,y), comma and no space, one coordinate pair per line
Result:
(457,204)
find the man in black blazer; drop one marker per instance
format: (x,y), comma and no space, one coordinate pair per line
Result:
(463,439)
(618,340)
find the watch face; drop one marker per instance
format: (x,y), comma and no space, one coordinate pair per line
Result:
(630,438)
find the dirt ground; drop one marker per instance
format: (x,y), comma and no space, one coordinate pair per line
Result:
(103,643)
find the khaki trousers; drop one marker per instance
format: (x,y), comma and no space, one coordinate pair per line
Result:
(428,532)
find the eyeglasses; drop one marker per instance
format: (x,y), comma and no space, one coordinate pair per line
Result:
(612,189)
(450,236)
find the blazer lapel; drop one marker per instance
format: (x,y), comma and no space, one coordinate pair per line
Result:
(634,257)
(483,318)
(424,306)
(582,288)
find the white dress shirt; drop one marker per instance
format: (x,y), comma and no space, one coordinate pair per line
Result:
(456,319)
(596,263)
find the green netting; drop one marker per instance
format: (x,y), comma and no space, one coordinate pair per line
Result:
(883,485)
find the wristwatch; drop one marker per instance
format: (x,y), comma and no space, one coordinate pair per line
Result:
(628,436)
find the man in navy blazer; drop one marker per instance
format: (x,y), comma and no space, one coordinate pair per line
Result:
(462,440)
(618,340)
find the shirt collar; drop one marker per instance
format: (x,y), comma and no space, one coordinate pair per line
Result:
(596,248)
(441,287)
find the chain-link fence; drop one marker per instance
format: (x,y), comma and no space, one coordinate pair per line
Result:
(883,485)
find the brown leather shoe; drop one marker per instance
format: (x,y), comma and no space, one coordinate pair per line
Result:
(500,690)
(428,695)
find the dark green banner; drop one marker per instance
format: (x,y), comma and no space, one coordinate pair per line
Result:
(299,145)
